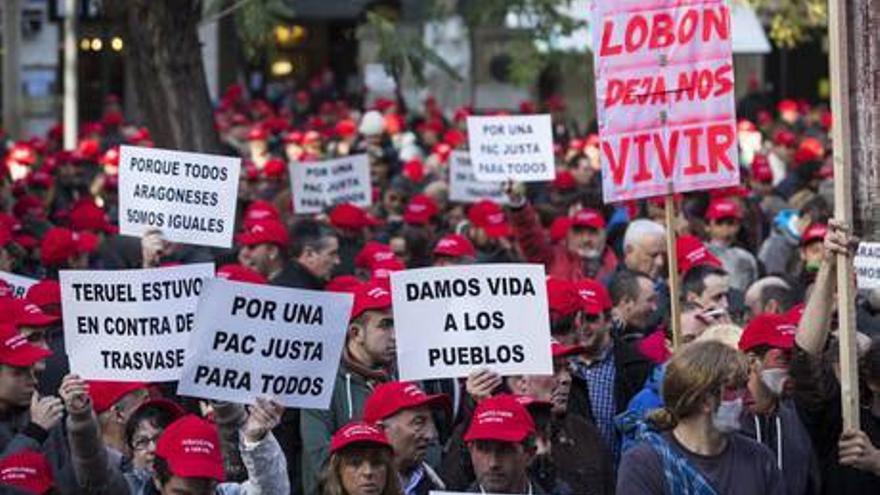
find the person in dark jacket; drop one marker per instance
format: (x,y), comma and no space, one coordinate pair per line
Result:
(404,412)
(314,253)
(489,231)
(366,361)
(501,443)
(353,224)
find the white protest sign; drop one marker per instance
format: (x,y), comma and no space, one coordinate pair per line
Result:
(512,147)
(867,265)
(464,186)
(256,340)
(130,325)
(451,321)
(317,186)
(664,97)
(17,283)
(190,197)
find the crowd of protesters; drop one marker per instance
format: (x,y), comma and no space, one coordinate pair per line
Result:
(749,404)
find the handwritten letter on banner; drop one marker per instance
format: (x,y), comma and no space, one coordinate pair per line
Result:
(665,97)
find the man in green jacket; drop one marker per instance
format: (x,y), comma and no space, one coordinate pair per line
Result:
(367,358)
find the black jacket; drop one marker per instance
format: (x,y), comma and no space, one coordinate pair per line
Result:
(297,276)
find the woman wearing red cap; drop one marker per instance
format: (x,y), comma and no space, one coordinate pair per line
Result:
(359,463)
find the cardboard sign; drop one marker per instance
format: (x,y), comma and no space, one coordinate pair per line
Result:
(256,340)
(451,321)
(190,197)
(867,265)
(464,186)
(17,283)
(512,147)
(318,186)
(665,97)
(130,325)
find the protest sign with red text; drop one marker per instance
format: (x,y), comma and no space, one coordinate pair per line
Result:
(665,97)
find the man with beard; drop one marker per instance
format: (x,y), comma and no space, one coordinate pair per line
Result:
(582,254)
(609,371)
(403,410)
(570,450)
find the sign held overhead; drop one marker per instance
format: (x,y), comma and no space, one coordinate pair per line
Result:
(318,186)
(190,197)
(512,147)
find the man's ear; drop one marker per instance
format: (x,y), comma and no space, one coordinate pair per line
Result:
(354,331)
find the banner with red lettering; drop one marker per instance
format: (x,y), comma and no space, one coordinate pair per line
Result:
(664,96)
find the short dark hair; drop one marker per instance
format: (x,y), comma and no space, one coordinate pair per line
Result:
(309,234)
(818,209)
(158,416)
(163,474)
(695,279)
(625,285)
(782,294)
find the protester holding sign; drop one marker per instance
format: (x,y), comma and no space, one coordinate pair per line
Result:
(367,360)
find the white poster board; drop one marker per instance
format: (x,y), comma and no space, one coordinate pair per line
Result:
(867,265)
(516,147)
(451,321)
(317,186)
(464,186)
(19,284)
(130,325)
(190,197)
(256,340)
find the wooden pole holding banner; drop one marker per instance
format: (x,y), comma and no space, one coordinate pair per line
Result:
(674,306)
(840,132)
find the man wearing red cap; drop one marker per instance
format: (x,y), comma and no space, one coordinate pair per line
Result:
(367,358)
(583,254)
(812,249)
(264,248)
(29,421)
(489,231)
(454,249)
(403,410)
(724,220)
(354,225)
(773,418)
(63,248)
(501,443)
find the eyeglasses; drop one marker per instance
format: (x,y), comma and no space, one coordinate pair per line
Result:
(143,443)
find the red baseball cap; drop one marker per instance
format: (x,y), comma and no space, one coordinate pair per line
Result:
(358,432)
(420,210)
(564,181)
(5,236)
(562,299)
(371,253)
(352,217)
(761,170)
(241,273)
(257,133)
(768,329)
(559,228)
(690,252)
(787,106)
(105,394)
(265,231)
(15,350)
(594,295)
(86,215)
(60,243)
(815,232)
(489,216)
(274,169)
(343,283)
(809,150)
(389,398)
(191,447)
(500,418)
(24,313)
(455,246)
(260,210)
(588,218)
(370,296)
(796,312)
(723,208)
(27,471)
(382,270)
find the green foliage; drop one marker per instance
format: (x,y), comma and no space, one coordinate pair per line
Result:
(792,22)
(254,20)
(405,53)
